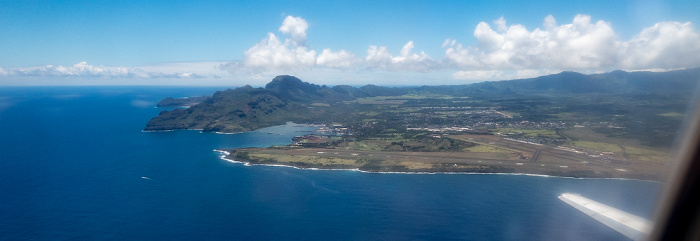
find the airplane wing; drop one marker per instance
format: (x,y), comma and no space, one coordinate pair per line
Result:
(627,224)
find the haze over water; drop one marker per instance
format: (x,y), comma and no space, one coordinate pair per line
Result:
(76,165)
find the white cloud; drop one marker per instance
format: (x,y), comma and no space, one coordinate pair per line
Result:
(184,69)
(502,51)
(501,24)
(664,45)
(271,53)
(378,57)
(295,27)
(579,45)
(531,73)
(341,59)
(83,69)
(481,75)
(458,56)
(477,75)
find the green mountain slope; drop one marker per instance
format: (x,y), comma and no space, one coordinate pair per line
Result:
(240,109)
(287,98)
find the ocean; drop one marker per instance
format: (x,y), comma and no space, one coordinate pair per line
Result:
(75,165)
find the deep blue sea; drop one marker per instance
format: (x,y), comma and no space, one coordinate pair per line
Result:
(75,165)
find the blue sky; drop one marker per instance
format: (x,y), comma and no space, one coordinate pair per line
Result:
(327,42)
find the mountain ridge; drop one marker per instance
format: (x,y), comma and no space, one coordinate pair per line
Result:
(288,98)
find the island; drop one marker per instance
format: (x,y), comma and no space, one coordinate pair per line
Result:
(611,125)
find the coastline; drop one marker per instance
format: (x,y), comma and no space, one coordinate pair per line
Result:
(439,162)
(226,155)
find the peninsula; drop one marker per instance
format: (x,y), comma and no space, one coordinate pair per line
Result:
(618,124)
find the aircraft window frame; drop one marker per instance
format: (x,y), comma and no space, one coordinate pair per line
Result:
(678,211)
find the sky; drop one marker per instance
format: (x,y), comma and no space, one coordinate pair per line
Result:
(234,43)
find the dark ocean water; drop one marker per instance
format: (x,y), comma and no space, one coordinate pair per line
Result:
(75,165)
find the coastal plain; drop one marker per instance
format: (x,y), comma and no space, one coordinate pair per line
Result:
(490,154)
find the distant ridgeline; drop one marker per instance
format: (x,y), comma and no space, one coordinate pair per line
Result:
(287,98)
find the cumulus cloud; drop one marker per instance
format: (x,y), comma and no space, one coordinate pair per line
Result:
(664,45)
(272,53)
(501,51)
(296,28)
(378,57)
(341,59)
(579,45)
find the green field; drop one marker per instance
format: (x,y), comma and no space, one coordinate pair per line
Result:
(485,148)
(598,146)
(401,99)
(536,133)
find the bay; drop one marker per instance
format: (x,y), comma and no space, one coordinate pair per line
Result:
(75,164)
